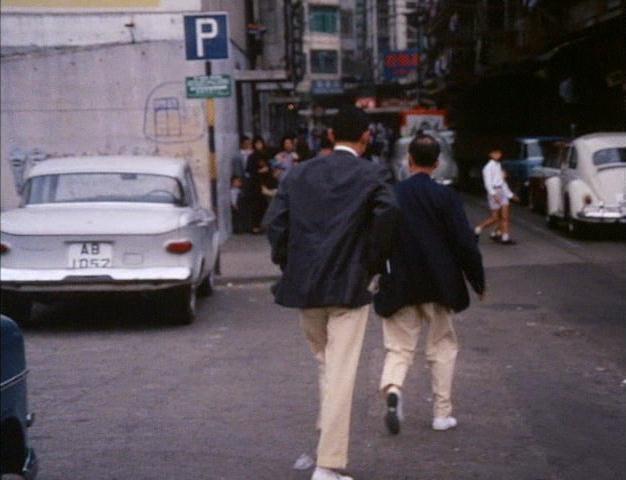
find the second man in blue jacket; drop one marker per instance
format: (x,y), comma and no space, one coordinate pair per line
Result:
(433,251)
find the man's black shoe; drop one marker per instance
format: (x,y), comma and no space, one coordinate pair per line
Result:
(392,417)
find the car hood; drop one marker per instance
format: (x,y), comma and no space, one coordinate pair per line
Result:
(610,183)
(91,219)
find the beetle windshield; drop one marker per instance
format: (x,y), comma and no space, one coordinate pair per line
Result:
(609,155)
(103,187)
(534,150)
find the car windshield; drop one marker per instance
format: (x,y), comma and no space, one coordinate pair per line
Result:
(609,155)
(103,187)
(534,150)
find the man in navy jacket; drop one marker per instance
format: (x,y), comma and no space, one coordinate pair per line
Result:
(330,229)
(434,250)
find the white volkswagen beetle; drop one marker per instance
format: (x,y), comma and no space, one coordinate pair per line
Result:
(101,225)
(591,186)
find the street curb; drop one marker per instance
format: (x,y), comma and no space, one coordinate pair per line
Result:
(225,281)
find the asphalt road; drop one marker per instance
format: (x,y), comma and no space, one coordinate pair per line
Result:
(540,389)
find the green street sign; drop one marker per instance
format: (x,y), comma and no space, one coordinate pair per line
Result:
(208,86)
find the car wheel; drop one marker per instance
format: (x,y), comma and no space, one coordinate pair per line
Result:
(182,305)
(524,194)
(575,228)
(552,221)
(531,200)
(16,308)
(534,203)
(12,449)
(205,289)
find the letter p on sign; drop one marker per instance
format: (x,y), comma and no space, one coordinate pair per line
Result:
(203,33)
(206,36)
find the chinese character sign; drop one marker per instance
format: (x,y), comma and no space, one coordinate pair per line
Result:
(400,63)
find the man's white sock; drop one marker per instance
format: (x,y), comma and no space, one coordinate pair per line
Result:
(478,230)
(505,237)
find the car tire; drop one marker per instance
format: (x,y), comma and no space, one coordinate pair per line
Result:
(531,200)
(576,228)
(16,308)
(533,204)
(524,194)
(552,222)
(12,448)
(205,289)
(182,305)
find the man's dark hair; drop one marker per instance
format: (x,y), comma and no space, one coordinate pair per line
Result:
(285,138)
(424,150)
(243,138)
(326,142)
(349,124)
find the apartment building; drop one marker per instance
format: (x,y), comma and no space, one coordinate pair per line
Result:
(552,66)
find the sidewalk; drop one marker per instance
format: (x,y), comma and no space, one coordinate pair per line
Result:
(246,259)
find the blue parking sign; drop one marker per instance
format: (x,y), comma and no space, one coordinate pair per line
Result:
(206,36)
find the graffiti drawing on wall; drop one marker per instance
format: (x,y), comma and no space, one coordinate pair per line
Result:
(169,118)
(167,121)
(23,159)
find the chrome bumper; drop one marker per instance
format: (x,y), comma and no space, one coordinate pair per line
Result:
(110,279)
(607,214)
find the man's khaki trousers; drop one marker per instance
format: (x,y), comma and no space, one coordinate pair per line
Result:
(401,333)
(336,338)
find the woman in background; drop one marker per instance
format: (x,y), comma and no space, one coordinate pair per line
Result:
(257,166)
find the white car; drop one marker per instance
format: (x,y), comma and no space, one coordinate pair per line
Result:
(446,173)
(102,225)
(591,185)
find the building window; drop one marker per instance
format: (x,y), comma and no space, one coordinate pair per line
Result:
(347,22)
(348,64)
(323,19)
(324,61)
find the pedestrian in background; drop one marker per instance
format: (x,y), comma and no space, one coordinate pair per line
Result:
(269,180)
(287,157)
(433,249)
(498,198)
(326,147)
(236,197)
(257,166)
(330,227)
(240,159)
(303,150)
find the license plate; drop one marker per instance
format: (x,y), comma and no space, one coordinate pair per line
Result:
(90,255)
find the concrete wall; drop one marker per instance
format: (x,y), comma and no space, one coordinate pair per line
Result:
(70,29)
(111,100)
(47,6)
(85,77)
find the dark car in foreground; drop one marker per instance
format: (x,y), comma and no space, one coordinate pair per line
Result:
(530,154)
(16,455)
(555,157)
